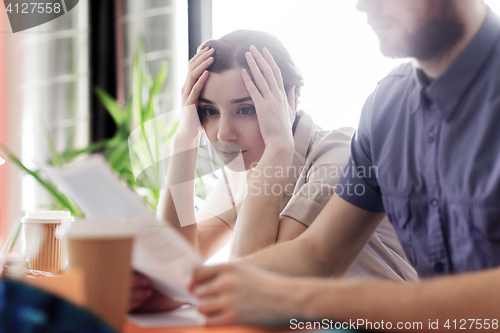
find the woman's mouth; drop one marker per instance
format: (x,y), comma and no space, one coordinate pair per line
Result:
(231,154)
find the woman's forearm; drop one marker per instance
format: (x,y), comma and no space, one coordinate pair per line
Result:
(176,203)
(258,220)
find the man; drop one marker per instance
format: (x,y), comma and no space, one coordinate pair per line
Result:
(429,135)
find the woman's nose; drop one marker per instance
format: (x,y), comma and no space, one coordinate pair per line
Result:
(226,131)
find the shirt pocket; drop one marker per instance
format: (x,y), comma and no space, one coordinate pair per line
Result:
(475,222)
(475,236)
(484,223)
(399,214)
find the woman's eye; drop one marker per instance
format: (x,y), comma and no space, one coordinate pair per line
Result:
(210,112)
(246,110)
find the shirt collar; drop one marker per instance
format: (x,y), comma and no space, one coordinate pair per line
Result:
(303,138)
(448,89)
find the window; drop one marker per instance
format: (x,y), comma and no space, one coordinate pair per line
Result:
(330,42)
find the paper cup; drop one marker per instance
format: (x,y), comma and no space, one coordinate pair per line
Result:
(45,252)
(102,250)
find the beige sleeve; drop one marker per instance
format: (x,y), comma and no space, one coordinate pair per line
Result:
(325,164)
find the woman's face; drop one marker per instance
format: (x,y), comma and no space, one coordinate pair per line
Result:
(229,119)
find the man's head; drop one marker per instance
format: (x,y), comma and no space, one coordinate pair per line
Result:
(419,29)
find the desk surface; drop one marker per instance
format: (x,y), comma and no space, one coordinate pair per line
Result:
(133,328)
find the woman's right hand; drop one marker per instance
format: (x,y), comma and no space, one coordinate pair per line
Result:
(189,125)
(140,291)
(143,298)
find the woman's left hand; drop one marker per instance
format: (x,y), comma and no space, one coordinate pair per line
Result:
(274,106)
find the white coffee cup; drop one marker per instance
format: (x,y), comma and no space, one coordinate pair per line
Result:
(44,250)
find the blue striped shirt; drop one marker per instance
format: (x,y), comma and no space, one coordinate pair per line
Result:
(428,154)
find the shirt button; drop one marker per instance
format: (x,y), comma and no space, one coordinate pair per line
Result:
(439,267)
(434,202)
(475,230)
(431,137)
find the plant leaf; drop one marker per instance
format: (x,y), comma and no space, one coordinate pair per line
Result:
(71,154)
(160,78)
(48,186)
(57,159)
(111,105)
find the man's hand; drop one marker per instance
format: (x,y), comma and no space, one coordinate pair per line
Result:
(140,291)
(239,294)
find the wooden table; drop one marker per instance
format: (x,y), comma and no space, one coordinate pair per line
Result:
(132,328)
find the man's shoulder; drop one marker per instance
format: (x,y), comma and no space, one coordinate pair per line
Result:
(401,72)
(389,97)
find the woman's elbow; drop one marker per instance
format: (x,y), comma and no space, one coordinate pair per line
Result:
(289,229)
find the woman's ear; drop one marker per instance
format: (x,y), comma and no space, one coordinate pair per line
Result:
(292,98)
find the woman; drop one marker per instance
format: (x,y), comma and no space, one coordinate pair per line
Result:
(242,90)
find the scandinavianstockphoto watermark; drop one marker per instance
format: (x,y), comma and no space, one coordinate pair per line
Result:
(430,324)
(322,180)
(328,324)
(27,14)
(323,171)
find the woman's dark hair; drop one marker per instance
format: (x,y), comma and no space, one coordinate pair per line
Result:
(230,52)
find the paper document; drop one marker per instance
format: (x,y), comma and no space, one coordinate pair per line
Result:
(160,252)
(184,316)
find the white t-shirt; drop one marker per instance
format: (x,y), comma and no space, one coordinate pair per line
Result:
(319,160)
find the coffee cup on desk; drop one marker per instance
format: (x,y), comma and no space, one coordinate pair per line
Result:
(102,250)
(44,250)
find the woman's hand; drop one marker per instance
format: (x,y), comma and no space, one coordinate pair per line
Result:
(143,298)
(140,291)
(274,106)
(189,126)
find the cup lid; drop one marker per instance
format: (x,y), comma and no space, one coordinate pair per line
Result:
(100,229)
(47,216)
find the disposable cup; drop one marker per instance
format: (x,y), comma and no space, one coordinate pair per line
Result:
(102,250)
(44,250)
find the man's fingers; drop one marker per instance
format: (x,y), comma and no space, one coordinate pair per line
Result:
(274,66)
(202,274)
(211,305)
(222,318)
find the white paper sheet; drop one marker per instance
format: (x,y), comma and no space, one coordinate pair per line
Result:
(181,317)
(160,252)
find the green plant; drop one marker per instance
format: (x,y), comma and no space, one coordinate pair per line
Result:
(139,111)
(126,155)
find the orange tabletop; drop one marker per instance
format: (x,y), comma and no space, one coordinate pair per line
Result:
(133,328)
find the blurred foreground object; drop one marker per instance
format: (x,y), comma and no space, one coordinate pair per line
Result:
(26,309)
(102,250)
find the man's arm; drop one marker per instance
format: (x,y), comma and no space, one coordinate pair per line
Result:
(469,301)
(242,294)
(328,247)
